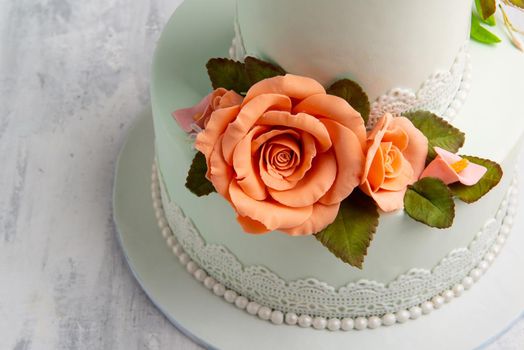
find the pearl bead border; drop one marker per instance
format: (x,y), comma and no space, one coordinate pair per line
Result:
(332,324)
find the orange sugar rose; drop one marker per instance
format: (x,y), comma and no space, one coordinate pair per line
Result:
(286,156)
(395,158)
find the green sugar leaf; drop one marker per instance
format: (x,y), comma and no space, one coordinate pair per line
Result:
(228,74)
(481,34)
(471,194)
(430,202)
(353,94)
(196,180)
(486,8)
(517,3)
(438,132)
(258,70)
(350,235)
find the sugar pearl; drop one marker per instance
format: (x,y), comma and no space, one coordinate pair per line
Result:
(191,267)
(458,290)
(389,319)
(252,308)
(427,307)
(402,316)
(437,301)
(333,324)
(304,321)
(374,322)
(162,223)
(264,313)
(489,258)
(166,233)
(475,274)
(178,250)
(230,296)
(319,323)
(241,302)
(347,324)
(209,282)
(277,317)
(467,282)
(415,312)
(184,258)
(291,318)
(448,295)
(200,275)
(505,230)
(171,241)
(361,323)
(483,265)
(219,289)
(501,240)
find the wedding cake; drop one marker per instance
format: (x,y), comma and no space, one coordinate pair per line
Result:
(319,181)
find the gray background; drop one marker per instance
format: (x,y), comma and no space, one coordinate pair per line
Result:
(73,77)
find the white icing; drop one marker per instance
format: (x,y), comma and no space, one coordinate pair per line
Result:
(317,298)
(442,93)
(305,320)
(380,44)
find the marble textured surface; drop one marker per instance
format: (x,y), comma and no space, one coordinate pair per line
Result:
(73,77)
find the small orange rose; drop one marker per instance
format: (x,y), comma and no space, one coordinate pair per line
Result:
(286,157)
(396,156)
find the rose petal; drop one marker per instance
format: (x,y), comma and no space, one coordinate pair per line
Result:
(272,215)
(417,149)
(247,117)
(388,201)
(299,121)
(185,116)
(251,226)
(401,180)
(397,136)
(260,140)
(247,171)
(296,87)
(309,151)
(270,177)
(350,161)
(219,172)
(374,141)
(229,99)
(313,186)
(376,174)
(337,109)
(220,119)
(322,216)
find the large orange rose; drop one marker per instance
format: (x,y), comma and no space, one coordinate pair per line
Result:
(286,157)
(395,158)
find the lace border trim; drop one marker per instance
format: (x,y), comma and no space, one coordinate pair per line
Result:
(334,323)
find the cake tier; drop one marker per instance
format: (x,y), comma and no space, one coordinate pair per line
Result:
(407,54)
(381,44)
(490,118)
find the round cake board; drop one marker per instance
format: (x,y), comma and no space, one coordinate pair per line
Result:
(471,321)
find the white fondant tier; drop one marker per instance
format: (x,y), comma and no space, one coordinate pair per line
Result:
(491,119)
(381,44)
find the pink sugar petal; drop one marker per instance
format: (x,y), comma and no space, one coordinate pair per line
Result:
(184,116)
(472,174)
(440,169)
